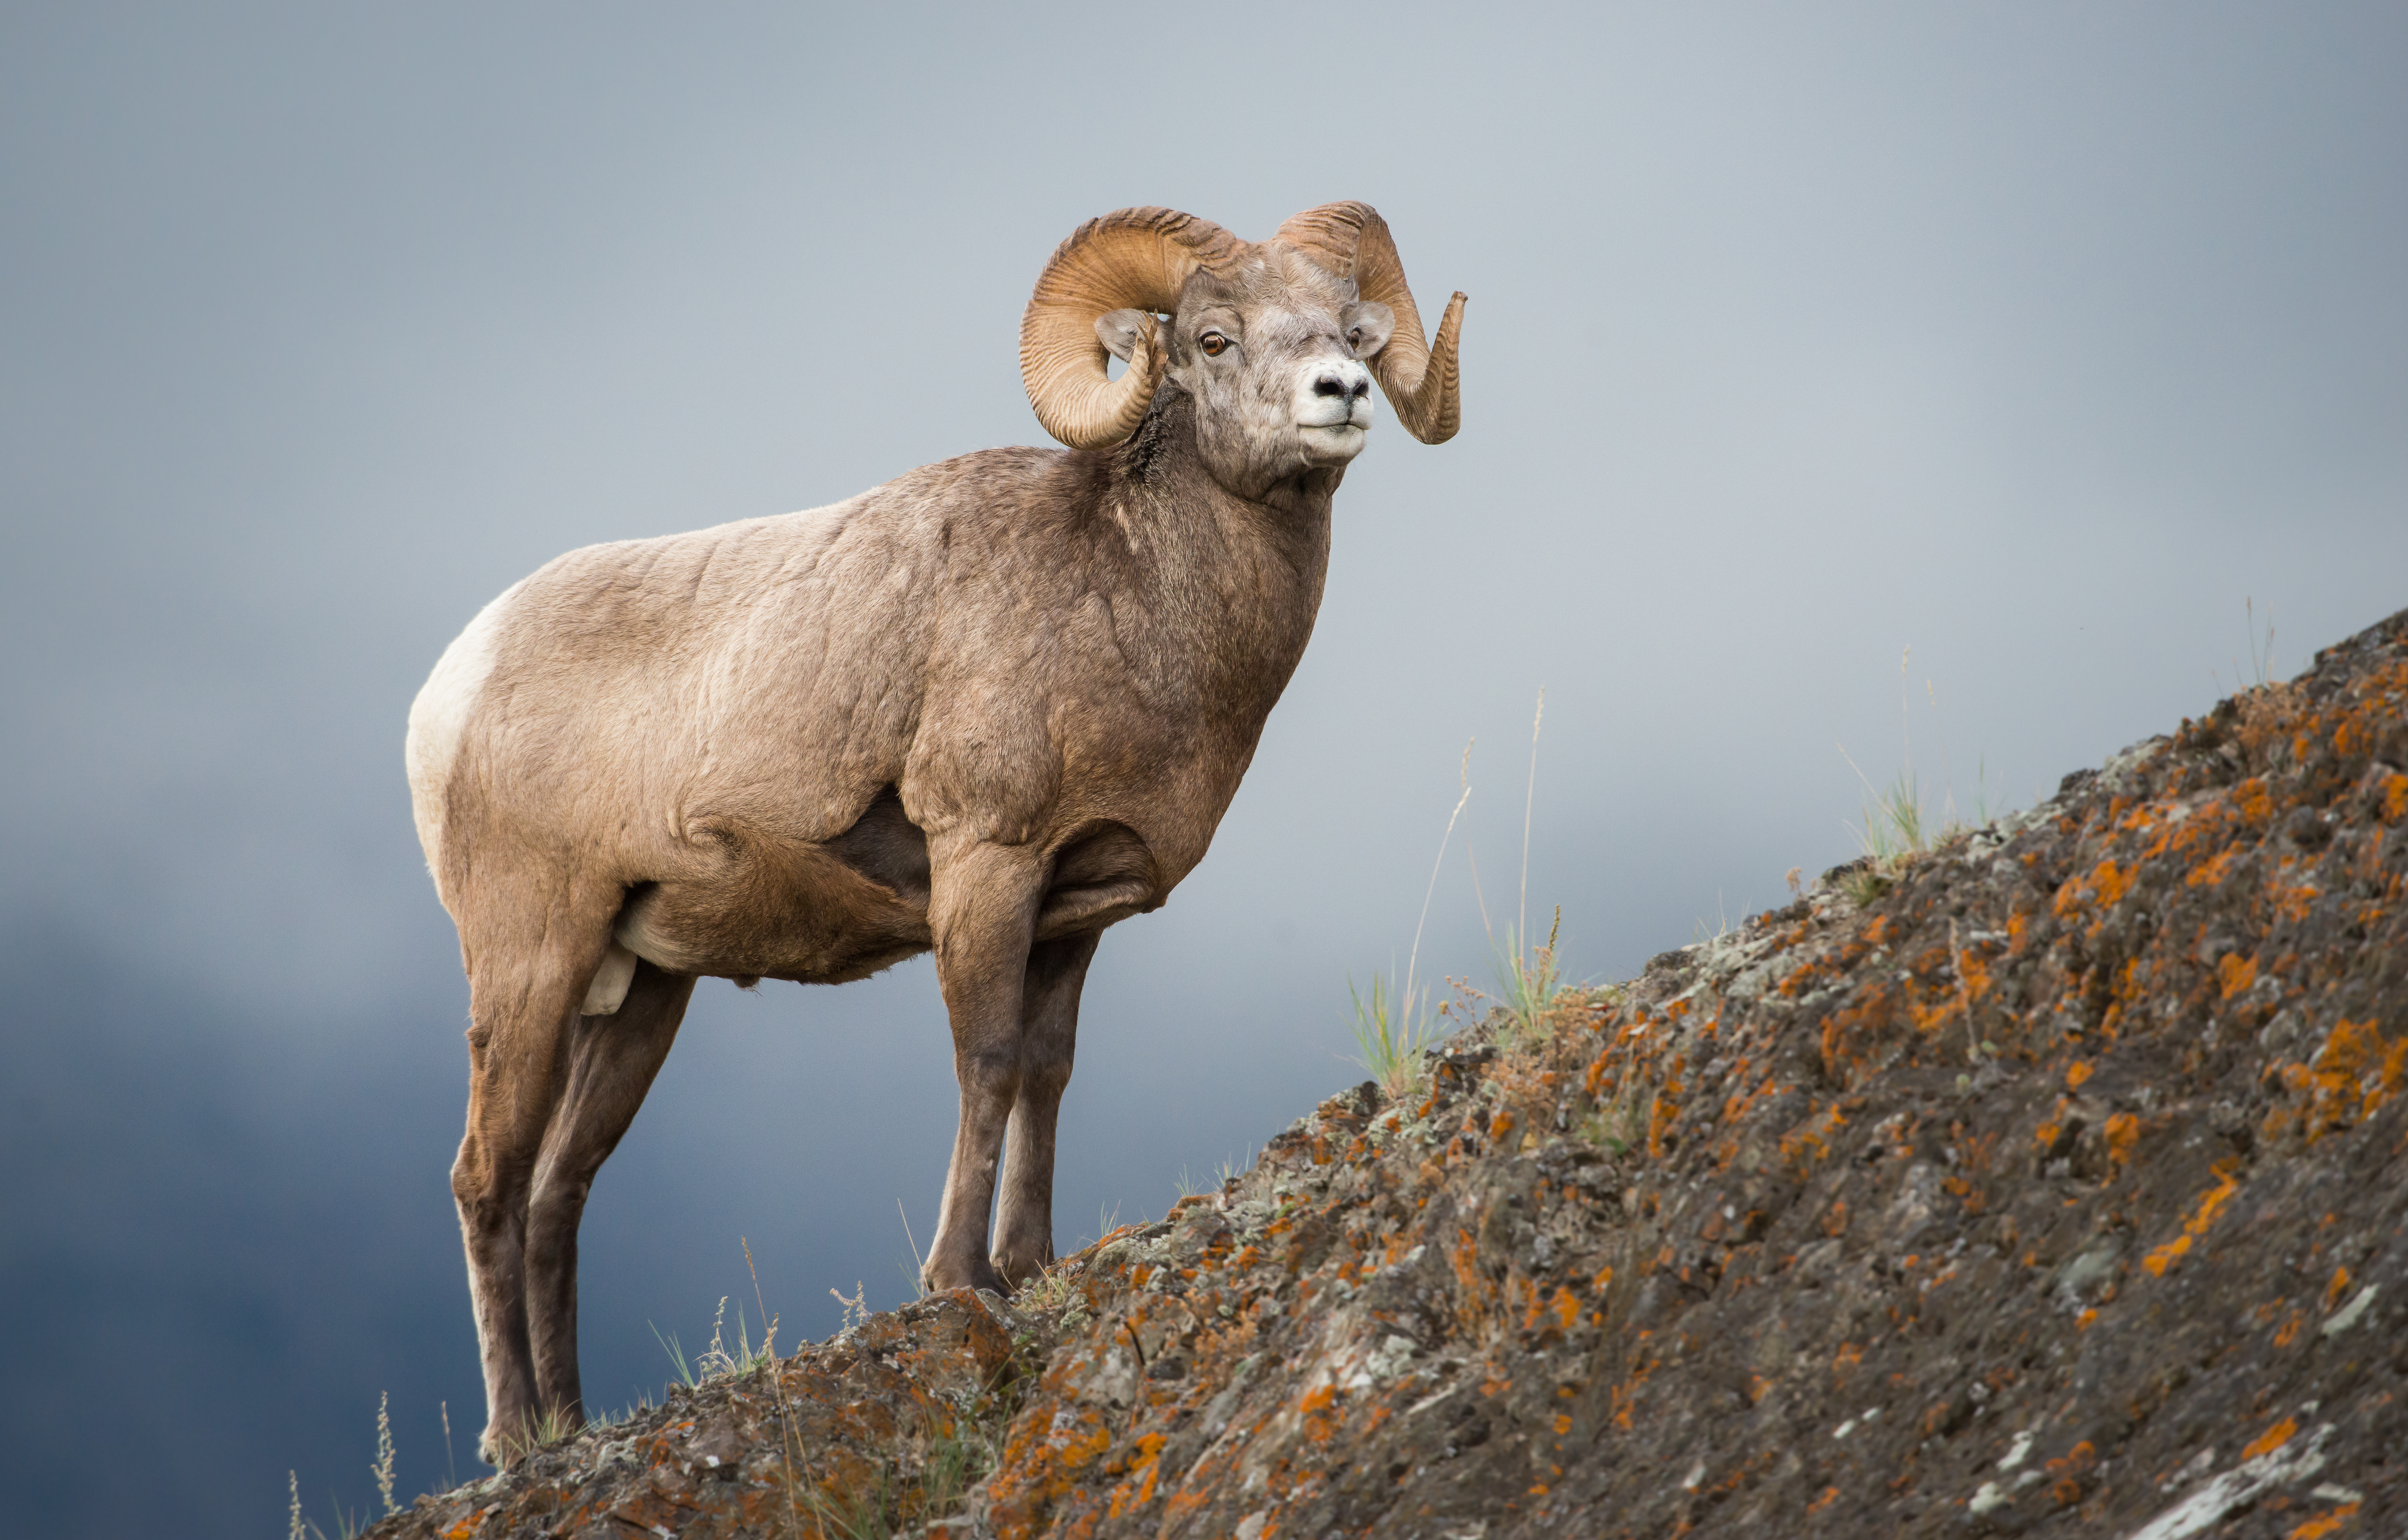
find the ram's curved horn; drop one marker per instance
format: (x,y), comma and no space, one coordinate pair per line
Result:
(1132,259)
(1350,240)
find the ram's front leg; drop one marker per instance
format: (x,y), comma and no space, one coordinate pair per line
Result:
(1049,1038)
(981,911)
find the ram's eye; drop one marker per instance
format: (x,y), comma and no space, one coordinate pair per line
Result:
(1213,343)
(1354,339)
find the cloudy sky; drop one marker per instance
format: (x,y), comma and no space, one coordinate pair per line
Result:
(2037,339)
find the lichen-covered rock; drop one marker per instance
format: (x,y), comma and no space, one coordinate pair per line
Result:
(2055,1182)
(841,1435)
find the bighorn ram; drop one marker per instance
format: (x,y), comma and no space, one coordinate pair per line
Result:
(990,709)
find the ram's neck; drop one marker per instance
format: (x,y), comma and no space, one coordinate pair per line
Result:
(1237,580)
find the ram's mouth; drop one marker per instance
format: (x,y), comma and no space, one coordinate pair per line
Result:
(1330,443)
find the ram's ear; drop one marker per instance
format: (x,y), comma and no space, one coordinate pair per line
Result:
(1121,329)
(1367,325)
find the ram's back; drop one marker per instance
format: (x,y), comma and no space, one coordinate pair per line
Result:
(776,673)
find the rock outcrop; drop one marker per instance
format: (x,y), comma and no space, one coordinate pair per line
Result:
(2052,1182)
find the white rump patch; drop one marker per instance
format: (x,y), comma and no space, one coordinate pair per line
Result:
(609,990)
(438,719)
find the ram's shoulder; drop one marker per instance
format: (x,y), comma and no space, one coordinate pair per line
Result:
(1010,484)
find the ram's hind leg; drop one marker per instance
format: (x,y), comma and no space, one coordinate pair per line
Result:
(1049,1034)
(609,1064)
(529,963)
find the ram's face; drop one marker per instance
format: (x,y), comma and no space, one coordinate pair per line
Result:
(1275,356)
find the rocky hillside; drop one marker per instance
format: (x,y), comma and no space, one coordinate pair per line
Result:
(2054,1182)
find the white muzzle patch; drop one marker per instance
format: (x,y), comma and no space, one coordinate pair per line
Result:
(1332,404)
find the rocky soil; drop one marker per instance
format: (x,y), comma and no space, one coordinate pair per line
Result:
(2054,1182)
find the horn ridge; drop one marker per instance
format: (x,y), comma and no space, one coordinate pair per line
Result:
(1421,379)
(1130,259)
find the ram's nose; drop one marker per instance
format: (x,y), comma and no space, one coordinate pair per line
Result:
(1335,393)
(1350,381)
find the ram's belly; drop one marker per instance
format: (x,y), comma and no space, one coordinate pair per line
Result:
(802,914)
(763,906)
(753,902)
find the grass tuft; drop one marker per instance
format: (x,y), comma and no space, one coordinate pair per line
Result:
(1898,826)
(1528,982)
(1619,1124)
(1231,1170)
(719,1360)
(1051,1289)
(957,1462)
(552,1426)
(865,1513)
(1392,1031)
(1392,1034)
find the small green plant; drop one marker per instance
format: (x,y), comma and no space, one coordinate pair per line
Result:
(1528,982)
(1620,1125)
(1893,825)
(969,1445)
(1392,1031)
(1049,1290)
(682,1370)
(957,1462)
(1897,826)
(718,1361)
(1392,1034)
(1866,883)
(624,1414)
(865,1513)
(552,1425)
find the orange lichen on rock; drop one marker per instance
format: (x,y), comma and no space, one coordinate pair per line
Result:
(2213,870)
(2202,1215)
(2101,888)
(2272,1439)
(2123,1133)
(2234,974)
(2349,1079)
(2319,1525)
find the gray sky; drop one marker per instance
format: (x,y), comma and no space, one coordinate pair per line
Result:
(2036,339)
